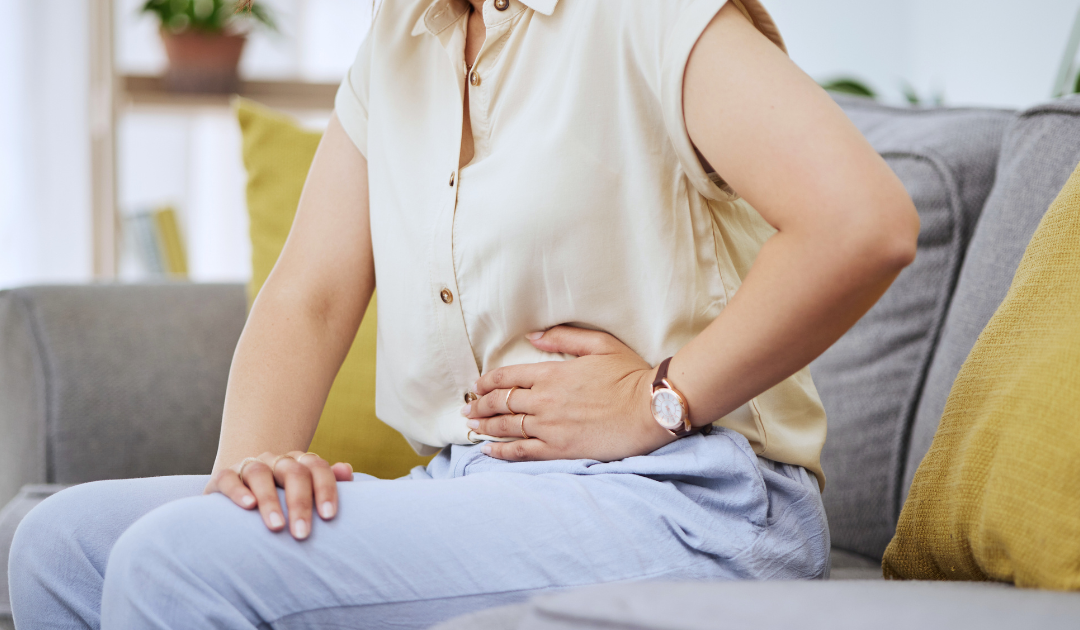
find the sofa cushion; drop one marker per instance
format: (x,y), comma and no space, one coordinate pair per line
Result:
(998,495)
(870,380)
(783,606)
(277,156)
(1037,157)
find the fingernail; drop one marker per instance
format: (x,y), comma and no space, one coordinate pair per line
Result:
(300,528)
(486,449)
(473,424)
(327,510)
(247,501)
(275,520)
(350,466)
(465,410)
(533,336)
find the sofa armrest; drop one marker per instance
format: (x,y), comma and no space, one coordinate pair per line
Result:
(113,381)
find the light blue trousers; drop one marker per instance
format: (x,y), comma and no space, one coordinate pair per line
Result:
(465,533)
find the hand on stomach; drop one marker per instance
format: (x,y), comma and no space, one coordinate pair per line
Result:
(594,406)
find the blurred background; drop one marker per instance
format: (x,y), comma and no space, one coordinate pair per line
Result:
(100,147)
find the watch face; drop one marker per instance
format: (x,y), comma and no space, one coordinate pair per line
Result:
(668,409)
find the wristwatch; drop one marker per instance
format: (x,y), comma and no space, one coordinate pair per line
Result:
(669,407)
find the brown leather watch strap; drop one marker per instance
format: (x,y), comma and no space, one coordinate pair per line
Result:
(661,373)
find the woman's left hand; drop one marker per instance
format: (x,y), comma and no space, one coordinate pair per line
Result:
(595,406)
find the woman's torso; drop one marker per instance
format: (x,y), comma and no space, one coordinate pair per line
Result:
(583,202)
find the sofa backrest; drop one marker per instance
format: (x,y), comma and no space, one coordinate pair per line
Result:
(113,381)
(1039,153)
(870,381)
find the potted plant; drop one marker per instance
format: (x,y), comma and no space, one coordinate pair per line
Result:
(203,40)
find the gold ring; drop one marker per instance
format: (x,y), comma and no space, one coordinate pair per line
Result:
(273,464)
(243,464)
(470,436)
(512,412)
(523,433)
(306,454)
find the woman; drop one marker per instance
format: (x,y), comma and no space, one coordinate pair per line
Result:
(545,194)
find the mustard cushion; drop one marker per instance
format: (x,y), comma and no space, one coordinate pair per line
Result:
(998,495)
(277,155)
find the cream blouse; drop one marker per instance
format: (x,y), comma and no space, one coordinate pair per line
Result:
(585,203)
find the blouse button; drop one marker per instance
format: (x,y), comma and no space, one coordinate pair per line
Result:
(474,78)
(447,296)
(502,5)
(470,397)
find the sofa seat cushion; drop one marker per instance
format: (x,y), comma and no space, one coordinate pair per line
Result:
(783,606)
(1039,153)
(998,495)
(851,566)
(870,380)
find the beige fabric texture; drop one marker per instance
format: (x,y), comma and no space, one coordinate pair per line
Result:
(997,497)
(585,203)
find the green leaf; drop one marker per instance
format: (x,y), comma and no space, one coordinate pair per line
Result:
(910,94)
(210,16)
(851,86)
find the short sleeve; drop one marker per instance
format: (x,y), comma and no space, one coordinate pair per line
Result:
(351,102)
(678,42)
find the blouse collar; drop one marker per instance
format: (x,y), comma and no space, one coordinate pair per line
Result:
(442,13)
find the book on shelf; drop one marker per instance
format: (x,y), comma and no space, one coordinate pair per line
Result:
(155,244)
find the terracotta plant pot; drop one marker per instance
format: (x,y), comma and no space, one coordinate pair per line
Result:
(202,62)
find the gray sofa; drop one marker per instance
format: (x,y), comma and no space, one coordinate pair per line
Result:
(109,381)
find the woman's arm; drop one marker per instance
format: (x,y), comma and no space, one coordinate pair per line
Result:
(845,228)
(297,335)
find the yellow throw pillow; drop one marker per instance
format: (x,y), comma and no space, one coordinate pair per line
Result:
(998,495)
(277,155)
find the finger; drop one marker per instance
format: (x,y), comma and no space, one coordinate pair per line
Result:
(296,479)
(523,376)
(258,478)
(343,471)
(229,484)
(494,403)
(503,426)
(519,451)
(575,341)
(323,483)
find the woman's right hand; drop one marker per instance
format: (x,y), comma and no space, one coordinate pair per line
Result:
(307,479)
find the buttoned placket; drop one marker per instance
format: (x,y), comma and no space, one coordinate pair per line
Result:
(453,334)
(482,77)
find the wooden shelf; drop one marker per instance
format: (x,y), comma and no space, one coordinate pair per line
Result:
(138,90)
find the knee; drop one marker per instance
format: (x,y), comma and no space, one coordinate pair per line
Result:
(54,528)
(55,550)
(178,547)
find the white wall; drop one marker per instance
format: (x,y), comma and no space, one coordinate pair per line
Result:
(44,142)
(977,52)
(990,52)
